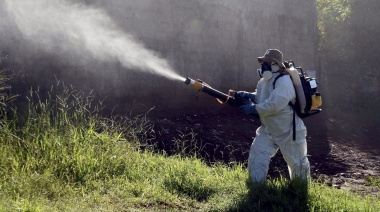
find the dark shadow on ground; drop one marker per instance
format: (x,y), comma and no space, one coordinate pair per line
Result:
(282,195)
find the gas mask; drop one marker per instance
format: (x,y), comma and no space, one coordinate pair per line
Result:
(266,71)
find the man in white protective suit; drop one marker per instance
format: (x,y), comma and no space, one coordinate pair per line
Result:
(271,104)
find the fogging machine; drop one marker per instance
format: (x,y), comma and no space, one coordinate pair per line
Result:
(232,98)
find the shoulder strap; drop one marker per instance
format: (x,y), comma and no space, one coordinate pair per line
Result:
(291,105)
(294,119)
(275,80)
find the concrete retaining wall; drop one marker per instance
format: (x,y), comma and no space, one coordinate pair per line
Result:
(217,41)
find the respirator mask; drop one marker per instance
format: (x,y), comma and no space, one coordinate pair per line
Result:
(266,71)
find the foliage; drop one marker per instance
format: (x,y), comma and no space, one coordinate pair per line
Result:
(348,34)
(333,24)
(330,11)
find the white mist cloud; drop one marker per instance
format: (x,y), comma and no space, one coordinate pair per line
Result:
(61,26)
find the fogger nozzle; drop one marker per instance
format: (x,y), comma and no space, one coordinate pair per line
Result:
(198,85)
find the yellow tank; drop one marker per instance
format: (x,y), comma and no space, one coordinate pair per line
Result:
(316,101)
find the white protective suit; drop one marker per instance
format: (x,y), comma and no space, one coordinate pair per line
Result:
(276,131)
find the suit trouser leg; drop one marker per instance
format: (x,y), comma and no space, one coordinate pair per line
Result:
(295,155)
(261,151)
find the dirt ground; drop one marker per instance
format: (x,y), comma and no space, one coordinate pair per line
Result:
(338,153)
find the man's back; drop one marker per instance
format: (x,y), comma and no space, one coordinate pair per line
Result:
(273,105)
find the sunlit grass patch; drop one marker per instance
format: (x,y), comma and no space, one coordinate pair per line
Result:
(324,198)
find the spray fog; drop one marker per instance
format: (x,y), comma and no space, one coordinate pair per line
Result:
(63,27)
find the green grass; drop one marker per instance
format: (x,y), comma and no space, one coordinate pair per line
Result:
(373,181)
(60,155)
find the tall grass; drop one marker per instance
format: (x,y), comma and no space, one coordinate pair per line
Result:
(63,156)
(5,96)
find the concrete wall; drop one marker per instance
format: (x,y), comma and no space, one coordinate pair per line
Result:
(217,41)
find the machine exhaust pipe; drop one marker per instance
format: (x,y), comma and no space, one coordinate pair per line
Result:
(231,98)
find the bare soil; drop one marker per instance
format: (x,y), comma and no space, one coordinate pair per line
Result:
(342,155)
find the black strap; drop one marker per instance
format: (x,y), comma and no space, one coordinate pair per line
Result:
(275,79)
(294,120)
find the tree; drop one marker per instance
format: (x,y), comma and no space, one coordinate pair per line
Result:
(349,51)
